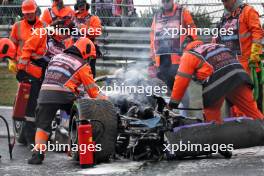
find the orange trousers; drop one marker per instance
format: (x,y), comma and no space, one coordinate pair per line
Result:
(242,97)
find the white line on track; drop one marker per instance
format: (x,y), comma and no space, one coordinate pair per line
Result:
(6,107)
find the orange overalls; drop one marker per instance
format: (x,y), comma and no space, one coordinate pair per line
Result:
(21,32)
(44,45)
(91,23)
(246,30)
(40,45)
(246,27)
(52,14)
(221,76)
(65,73)
(179,16)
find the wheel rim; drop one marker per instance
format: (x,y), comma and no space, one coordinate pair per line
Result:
(74,135)
(18,125)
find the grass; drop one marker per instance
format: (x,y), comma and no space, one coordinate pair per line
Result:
(8,87)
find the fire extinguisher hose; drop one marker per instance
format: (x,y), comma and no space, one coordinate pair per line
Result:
(255,80)
(10,146)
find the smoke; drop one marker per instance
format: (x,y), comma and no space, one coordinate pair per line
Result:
(141,88)
(133,77)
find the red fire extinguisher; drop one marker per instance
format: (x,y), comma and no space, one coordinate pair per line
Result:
(21,101)
(85,138)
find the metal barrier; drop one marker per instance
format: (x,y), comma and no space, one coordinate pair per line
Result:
(137,15)
(120,45)
(125,43)
(4,30)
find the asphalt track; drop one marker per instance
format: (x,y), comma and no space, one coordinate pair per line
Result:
(245,162)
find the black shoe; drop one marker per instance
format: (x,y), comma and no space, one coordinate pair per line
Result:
(36,158)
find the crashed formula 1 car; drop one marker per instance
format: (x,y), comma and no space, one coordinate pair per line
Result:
(138,126)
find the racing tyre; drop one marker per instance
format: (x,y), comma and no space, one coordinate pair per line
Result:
(74,133)
(104,123)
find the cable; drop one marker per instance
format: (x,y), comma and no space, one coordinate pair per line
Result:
(10,146)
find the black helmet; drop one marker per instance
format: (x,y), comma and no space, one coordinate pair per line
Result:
(81,3)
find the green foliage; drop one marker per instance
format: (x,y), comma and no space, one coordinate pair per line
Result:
(8,87)
(146,18)
(202,18)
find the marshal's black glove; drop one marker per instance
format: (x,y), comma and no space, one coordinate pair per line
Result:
(173,104)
